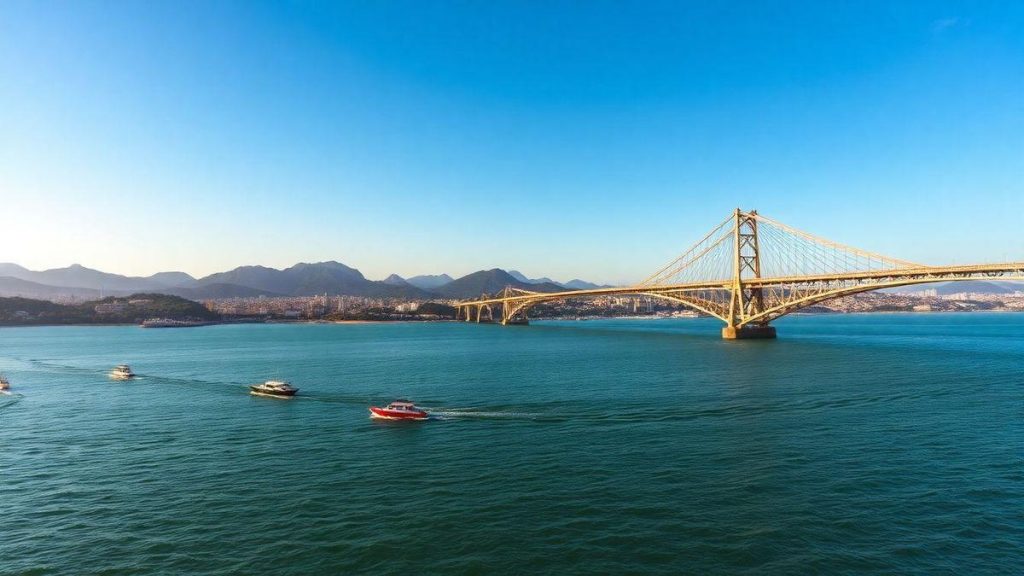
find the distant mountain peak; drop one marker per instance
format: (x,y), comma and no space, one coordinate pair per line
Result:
(12,269)
(518,275)
(523,278)
(395,280)
(173,279)
(490,282)
(324,264)
(429,281)
(577,284)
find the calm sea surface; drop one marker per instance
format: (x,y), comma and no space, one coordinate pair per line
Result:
(856,444)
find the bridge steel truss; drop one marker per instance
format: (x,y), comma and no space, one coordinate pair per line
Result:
(748,271)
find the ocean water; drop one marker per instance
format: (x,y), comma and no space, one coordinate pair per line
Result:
(853,444)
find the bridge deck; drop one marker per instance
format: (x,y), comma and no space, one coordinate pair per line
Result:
(924,274)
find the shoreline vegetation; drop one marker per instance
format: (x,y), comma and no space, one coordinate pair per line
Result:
(133,309)
(166,311)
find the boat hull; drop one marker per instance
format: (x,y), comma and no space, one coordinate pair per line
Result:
(257,391)
(385,414)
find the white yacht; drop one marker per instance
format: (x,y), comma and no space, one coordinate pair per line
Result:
(121,372)
(274,388)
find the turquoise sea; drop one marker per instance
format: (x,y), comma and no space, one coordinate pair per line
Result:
(853,444)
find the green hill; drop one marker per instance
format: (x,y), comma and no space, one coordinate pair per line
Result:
(436,309)
(112,310)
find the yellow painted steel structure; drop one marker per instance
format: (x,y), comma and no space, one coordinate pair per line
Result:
(748,271)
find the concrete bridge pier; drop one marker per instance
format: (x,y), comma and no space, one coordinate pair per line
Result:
(513,317)
(518,321)
(748,332)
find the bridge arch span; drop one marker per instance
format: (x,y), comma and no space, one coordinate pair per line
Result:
(785,308)
(525,304)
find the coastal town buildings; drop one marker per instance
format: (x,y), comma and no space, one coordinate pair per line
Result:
(356,307)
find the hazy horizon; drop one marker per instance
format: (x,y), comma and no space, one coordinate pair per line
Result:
(428,138)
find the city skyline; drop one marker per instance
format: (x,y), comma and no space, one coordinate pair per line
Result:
(559,142)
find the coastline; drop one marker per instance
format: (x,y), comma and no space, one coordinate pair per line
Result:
(570,319)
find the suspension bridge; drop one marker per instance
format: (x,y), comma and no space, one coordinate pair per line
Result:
(748,271)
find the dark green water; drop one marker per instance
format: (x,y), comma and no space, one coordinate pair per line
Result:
(853,444)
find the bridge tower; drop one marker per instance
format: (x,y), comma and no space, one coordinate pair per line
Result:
(511,313)
(745,301)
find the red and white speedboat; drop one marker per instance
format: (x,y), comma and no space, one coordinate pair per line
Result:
(399,410)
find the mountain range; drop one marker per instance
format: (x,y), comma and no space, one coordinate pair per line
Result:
(304,279)
(331,278)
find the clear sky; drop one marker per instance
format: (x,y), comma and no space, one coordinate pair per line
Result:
(565,139)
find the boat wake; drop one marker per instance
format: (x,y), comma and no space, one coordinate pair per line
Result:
(475,414)
(57,367)
(8,398)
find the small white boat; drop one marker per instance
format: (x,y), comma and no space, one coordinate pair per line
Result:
(121,372)
(5,384)
(273,388)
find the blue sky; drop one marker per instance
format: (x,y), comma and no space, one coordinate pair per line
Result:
(566,139)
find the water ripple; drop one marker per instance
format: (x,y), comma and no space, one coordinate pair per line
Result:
(846,447)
